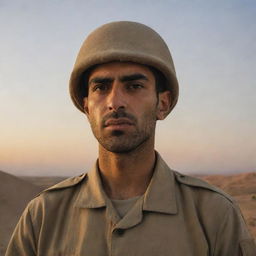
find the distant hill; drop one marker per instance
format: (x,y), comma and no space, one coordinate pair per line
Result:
(15,193)
(237,184)
(44,181)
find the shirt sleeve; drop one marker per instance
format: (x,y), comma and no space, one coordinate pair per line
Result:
(233,237)
(23,239)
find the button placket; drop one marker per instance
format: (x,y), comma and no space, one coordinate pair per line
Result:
(116,235)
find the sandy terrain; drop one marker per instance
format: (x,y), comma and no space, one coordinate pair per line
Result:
(15,192)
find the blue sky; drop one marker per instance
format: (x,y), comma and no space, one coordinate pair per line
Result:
(212,129)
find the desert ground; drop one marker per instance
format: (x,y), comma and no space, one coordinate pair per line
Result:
(16,192)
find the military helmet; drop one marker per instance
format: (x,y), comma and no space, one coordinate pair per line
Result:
(123,41)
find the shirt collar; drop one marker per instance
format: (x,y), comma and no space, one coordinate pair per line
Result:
(92,194)
(159,196)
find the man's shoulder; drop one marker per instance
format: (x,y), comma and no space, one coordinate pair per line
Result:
(206,198)
(60,192)
(71,182)
(200,186)
(196,189)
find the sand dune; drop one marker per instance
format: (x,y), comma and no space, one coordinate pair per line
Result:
(239,184)
(16,192)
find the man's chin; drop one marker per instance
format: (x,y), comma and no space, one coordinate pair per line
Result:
(117,133)
(118,145)
(122,144)
(119,150)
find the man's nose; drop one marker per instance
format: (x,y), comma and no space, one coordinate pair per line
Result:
(116,97)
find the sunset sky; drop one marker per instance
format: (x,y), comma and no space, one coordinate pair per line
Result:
(213,44)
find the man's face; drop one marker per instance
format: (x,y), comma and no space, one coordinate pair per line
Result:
(122,105)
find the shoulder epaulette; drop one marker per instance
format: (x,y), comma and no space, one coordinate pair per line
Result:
(67,183)
(195,182)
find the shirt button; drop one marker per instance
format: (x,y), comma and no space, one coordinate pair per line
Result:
(120,231)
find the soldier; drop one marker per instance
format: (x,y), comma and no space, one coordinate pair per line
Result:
(131,202)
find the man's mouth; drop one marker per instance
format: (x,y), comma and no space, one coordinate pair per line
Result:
(118,122)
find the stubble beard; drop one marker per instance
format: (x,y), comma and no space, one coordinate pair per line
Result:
(120,142)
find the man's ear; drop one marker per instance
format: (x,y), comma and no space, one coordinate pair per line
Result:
(85,101)
(164,103)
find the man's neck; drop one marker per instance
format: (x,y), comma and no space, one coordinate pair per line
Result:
(126,175)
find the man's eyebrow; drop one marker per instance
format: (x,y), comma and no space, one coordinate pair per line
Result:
(132,77)
(100,80)
(126,78)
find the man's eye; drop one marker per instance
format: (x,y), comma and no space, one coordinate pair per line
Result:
(135,86)
(100,87)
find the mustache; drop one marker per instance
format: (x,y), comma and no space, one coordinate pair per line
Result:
(118,114)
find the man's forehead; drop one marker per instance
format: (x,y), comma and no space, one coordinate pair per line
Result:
(119,69)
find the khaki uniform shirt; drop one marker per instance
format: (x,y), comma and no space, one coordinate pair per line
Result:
(177,216)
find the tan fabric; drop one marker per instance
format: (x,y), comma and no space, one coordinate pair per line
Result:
(178,215)
(123,41)
(124,206)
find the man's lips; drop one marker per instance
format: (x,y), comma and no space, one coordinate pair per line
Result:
(118,122)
